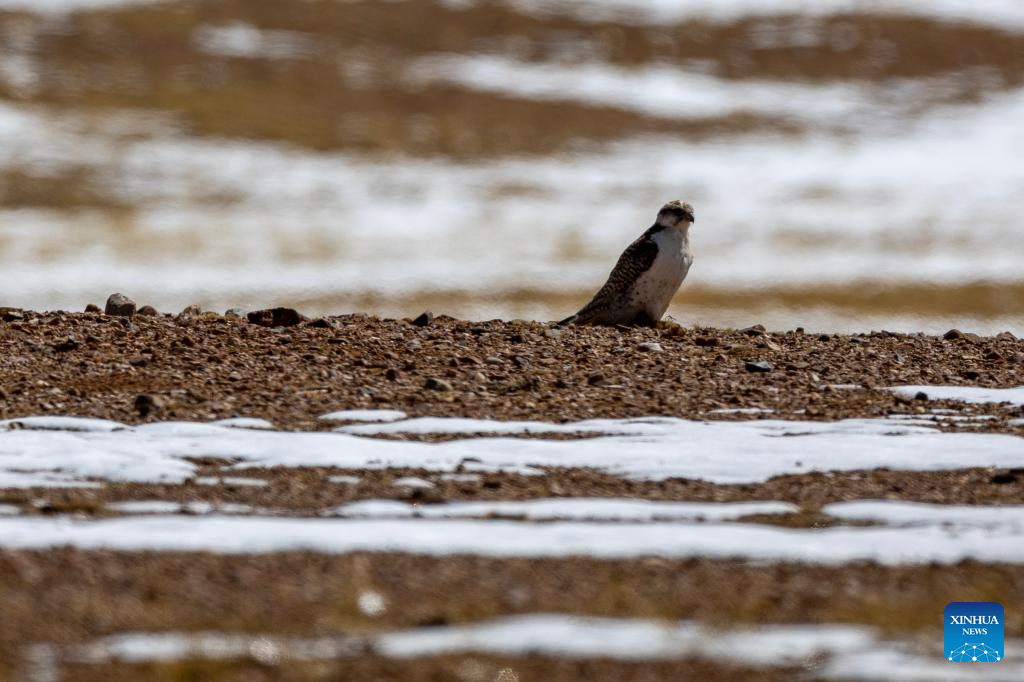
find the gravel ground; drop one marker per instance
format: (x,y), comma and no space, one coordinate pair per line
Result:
(204,366)
(201,366)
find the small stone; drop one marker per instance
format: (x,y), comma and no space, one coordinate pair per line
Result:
(392,374)
(92,308)
(148,311)
(756,330)
(120,305)
(552,333)
(1006,336)
(706,341)
(275,317)
(824,337)
(759,367)
(13,316)
(433,384)
(234,313)
(492,360)
(920,395)
(146,404)
(561,383)
(970,375)
(323,323)
(191,311)
(424,319)
(480,378)
(66,345)
(597,379)
(651,347)
(1004,477)
(953,334)
(138,361)
(413,346)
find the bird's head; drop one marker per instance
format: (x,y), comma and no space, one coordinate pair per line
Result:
(676,213)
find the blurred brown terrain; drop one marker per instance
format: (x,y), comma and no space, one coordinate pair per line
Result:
(354,80)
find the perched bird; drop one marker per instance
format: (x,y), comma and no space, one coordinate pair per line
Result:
(647,275)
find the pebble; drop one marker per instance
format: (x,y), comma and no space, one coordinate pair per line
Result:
(235,313)
(92,308)
(597,379)
(146,404)
(553,333)
(275,317)
(148,311)
(120,305)
(424,319)
(434,384)
(651,347)
(191,311)
(761,366)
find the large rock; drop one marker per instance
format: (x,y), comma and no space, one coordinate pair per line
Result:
(120,305)
(275,317)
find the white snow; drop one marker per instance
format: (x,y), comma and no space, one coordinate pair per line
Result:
(57,423)
(851,652)
(497,538)
(240,39)
(145,507)
(9,510)
(567,509)
(668,91)
(245,423)
(916,513)
(412,482)
(364,415)
(967,394)
(63,6)
(168,507)
(236,481)
(651,449)
(345,480)
(461,478)
(1004,14)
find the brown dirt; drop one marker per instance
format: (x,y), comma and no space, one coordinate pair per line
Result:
(309,492)
(347,91)
(468,668)
(70,596)
(207,367)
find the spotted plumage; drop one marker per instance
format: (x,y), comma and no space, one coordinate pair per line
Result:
(647,274)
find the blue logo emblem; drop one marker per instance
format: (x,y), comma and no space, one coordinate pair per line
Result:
(973,632)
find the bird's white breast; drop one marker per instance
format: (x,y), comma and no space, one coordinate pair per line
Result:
(655,288)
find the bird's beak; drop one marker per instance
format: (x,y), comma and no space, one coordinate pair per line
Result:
(689,216)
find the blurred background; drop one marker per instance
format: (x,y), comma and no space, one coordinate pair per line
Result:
(854,165)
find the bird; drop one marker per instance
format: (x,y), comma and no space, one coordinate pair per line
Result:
(647,275)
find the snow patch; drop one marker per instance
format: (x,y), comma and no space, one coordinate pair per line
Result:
(364,415)
(917,513)
(850,652)
(567,508)
(229,481)
(244,423)
(967,394)
(655,448)
(495,538)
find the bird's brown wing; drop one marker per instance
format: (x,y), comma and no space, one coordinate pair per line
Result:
(634,261)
